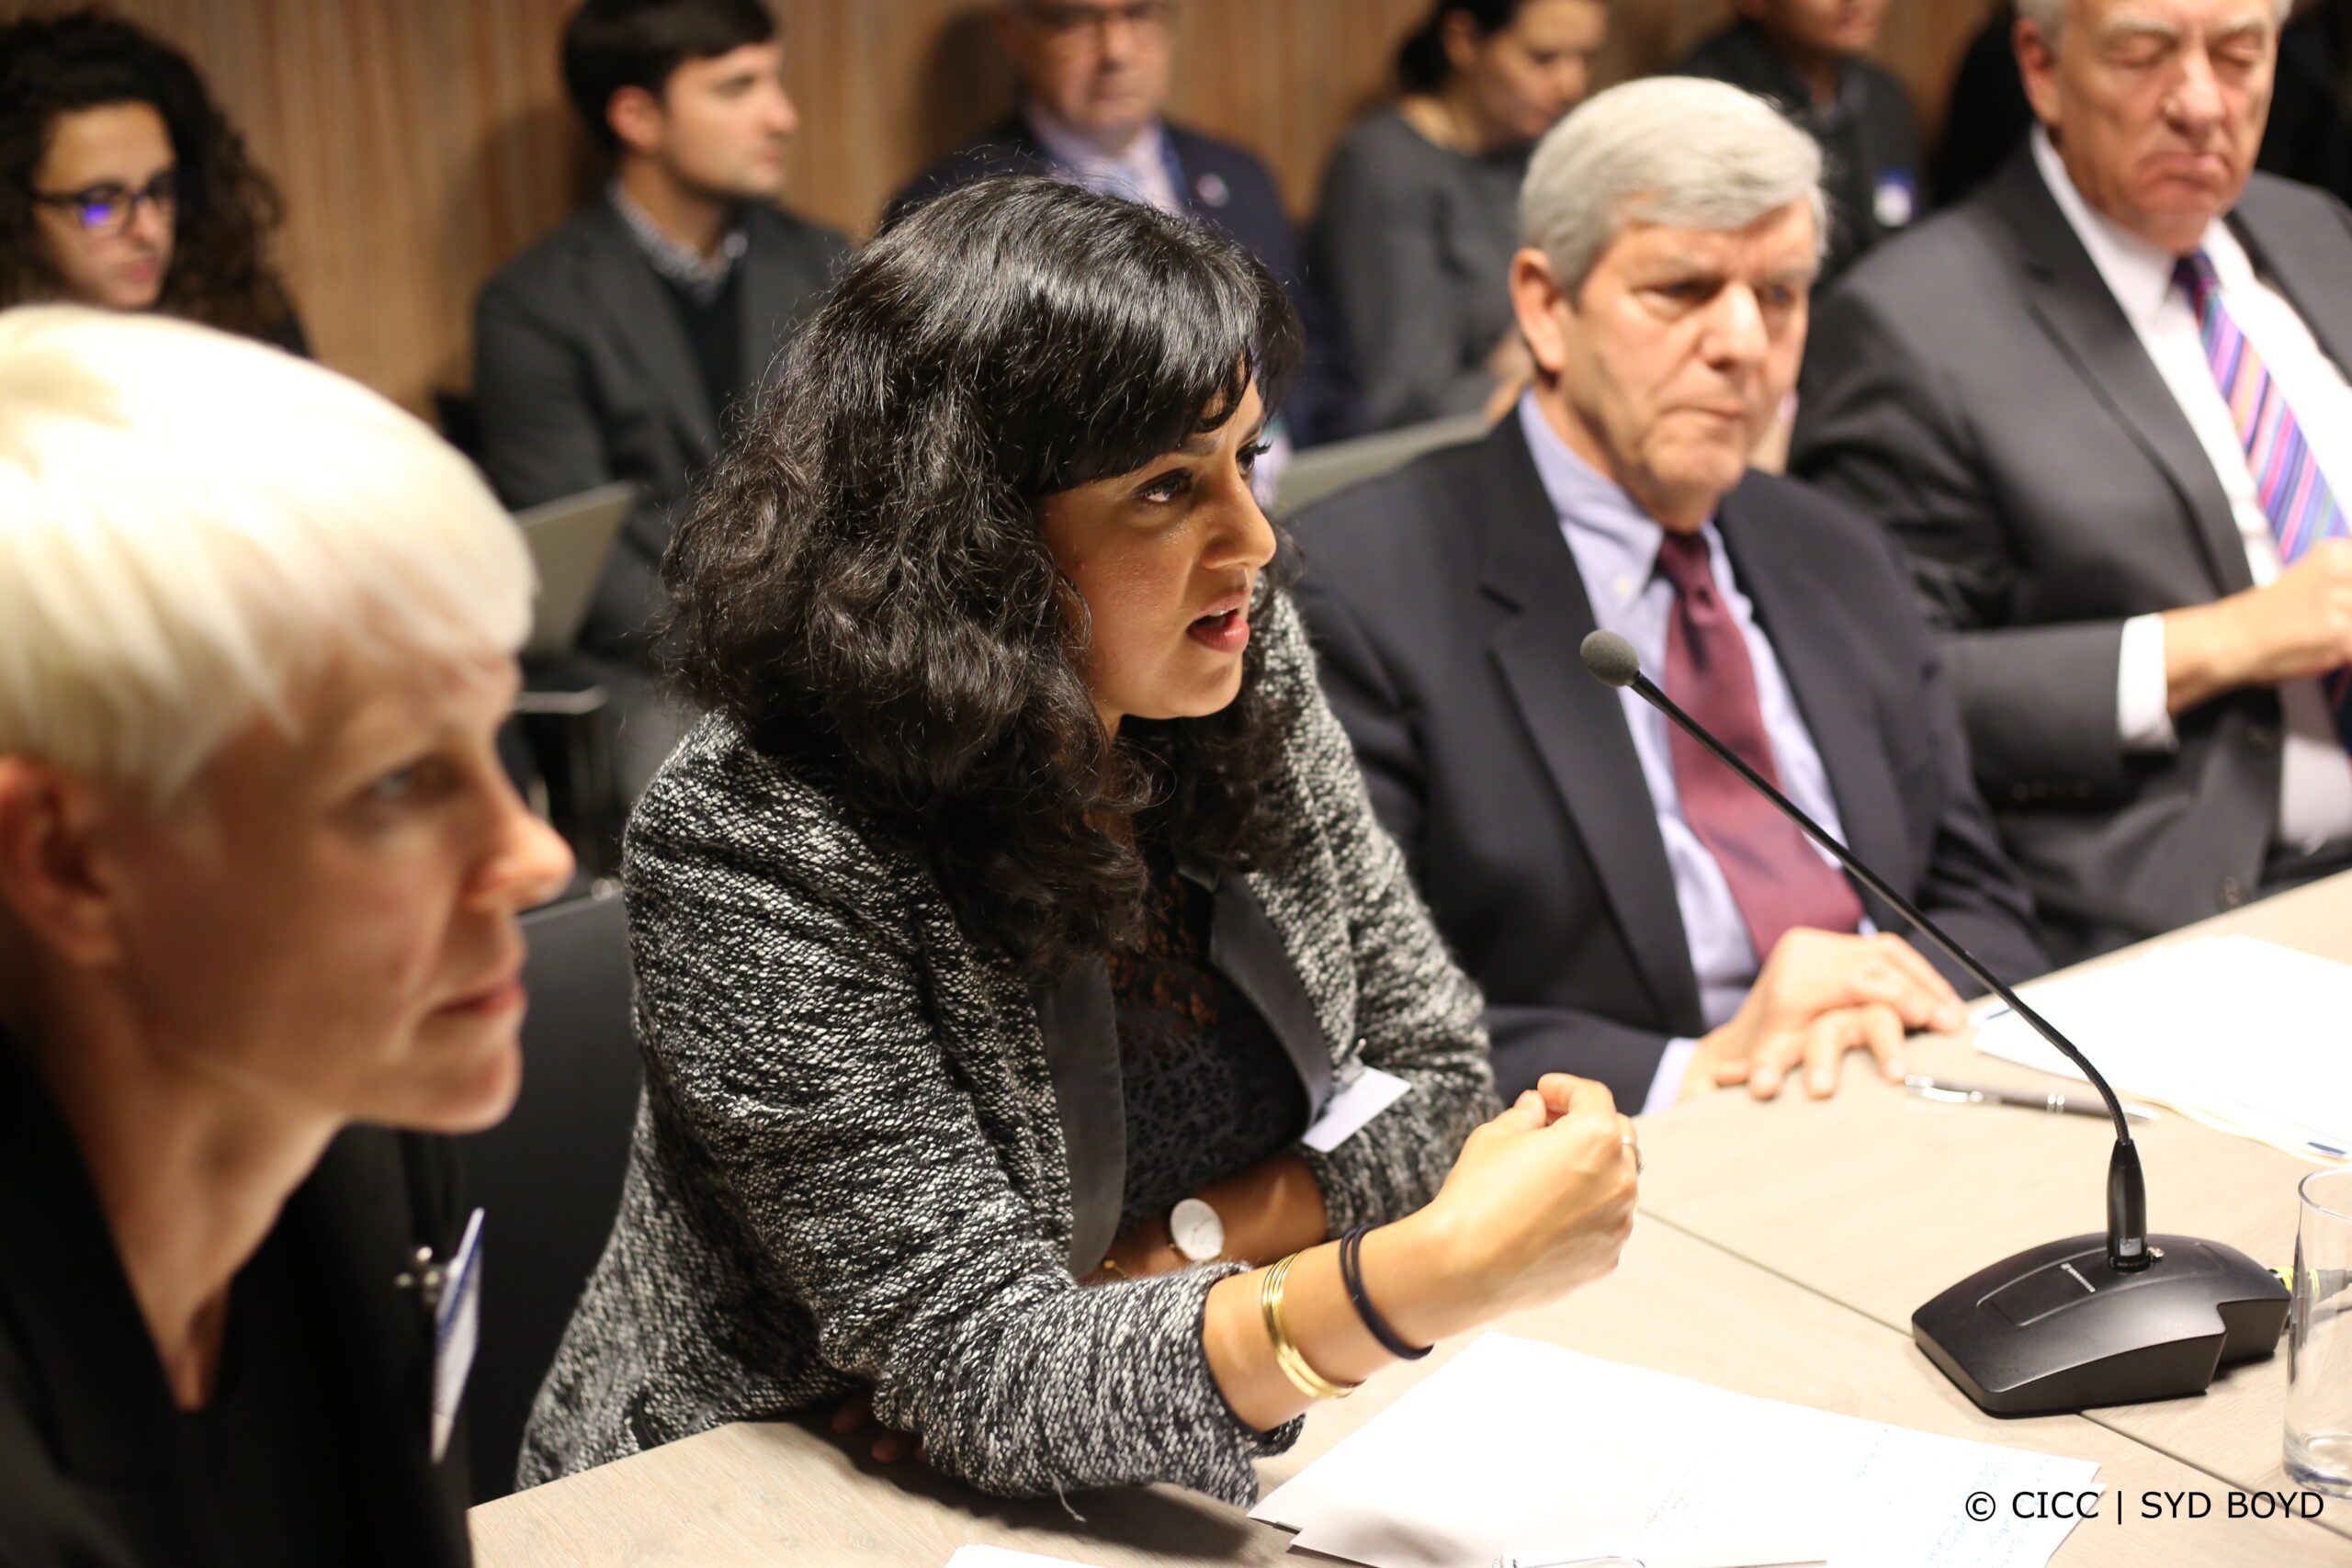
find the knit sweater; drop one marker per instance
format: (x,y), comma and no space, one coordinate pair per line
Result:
(848,1167)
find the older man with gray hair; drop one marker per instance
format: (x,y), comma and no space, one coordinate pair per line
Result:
(1632,912)
(2102,403)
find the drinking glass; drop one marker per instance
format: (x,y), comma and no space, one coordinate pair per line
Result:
(2319,1338)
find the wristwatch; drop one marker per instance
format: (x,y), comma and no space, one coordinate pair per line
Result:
(1197,1232)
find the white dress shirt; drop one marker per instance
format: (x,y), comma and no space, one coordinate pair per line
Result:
(2316,795)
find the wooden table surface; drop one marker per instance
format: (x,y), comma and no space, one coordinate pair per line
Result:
(1880,1201)
(1782,1251)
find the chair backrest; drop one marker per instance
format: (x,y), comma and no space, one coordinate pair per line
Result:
(549,1178)
(1325,471)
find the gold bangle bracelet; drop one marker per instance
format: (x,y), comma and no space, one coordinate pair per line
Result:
(1288,1355)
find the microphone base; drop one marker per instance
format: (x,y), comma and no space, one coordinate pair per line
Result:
(2058,1329)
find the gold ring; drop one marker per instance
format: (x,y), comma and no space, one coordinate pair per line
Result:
(1633,1146)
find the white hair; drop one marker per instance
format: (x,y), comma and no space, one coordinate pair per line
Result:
(2050,16)
(191,524)
(1668,150)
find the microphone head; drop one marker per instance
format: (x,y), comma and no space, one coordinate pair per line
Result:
(1610,659)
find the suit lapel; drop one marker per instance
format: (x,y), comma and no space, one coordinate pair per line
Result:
(2071,300)
(1080,1021)
(1246,949)
(1575,722)
(642,316)
(2306,263)
(1821,666)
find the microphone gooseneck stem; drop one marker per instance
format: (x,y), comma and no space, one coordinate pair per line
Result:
(2127,1198)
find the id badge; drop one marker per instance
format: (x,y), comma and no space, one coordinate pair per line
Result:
(1897,200)
(456,1330)
(1371,1092)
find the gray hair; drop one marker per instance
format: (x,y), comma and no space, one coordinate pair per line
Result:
(1669,150)
(2050,16)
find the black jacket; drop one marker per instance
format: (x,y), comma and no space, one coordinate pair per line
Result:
(1223,186)
(584,375)
(1448,609)
(323,1409)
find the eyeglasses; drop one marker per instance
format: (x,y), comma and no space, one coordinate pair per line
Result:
(105,210)
(1070,24)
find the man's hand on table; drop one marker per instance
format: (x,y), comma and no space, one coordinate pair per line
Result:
(1821,995)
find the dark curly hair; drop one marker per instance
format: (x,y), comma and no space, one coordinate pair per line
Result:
(219,273)
(864,587)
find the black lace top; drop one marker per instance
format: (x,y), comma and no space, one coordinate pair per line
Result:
(1209,1090)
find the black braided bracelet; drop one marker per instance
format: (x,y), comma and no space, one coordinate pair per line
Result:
(1351,1276)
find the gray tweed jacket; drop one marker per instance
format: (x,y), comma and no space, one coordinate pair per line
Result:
(852,1165)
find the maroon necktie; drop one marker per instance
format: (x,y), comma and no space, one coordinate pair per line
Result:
(1776,878)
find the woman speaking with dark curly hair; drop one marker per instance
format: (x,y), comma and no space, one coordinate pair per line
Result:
(123,186)
(1014,943)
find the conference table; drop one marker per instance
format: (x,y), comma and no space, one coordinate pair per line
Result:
(1779,1251)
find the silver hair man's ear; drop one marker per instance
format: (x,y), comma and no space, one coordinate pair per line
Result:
(1672,150)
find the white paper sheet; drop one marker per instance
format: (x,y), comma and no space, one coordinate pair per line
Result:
(1522,1446)
(2240,1034)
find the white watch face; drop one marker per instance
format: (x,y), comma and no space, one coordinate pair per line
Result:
(1199,1234)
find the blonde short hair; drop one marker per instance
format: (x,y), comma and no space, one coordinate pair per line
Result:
(191,524)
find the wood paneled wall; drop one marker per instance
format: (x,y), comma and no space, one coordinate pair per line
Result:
(422,143)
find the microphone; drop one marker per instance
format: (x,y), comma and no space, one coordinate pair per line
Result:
(2088,1321)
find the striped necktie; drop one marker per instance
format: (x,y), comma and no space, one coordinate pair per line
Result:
(2287,477)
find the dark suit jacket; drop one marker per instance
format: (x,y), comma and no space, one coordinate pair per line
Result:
(1448,611)
(1975,388)
(1223,186)
(333,1362)
(582,376)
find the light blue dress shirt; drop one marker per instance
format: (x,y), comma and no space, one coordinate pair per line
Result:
(1616,547)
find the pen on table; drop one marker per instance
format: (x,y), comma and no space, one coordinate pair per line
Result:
(1952,1093)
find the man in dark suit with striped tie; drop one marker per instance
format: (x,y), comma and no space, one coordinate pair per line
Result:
(1633,911)
(2103,405)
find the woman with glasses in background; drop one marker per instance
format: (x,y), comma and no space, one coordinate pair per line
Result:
(123,184)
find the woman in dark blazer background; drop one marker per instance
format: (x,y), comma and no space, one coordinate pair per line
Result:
(1019,907)
(259,870)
